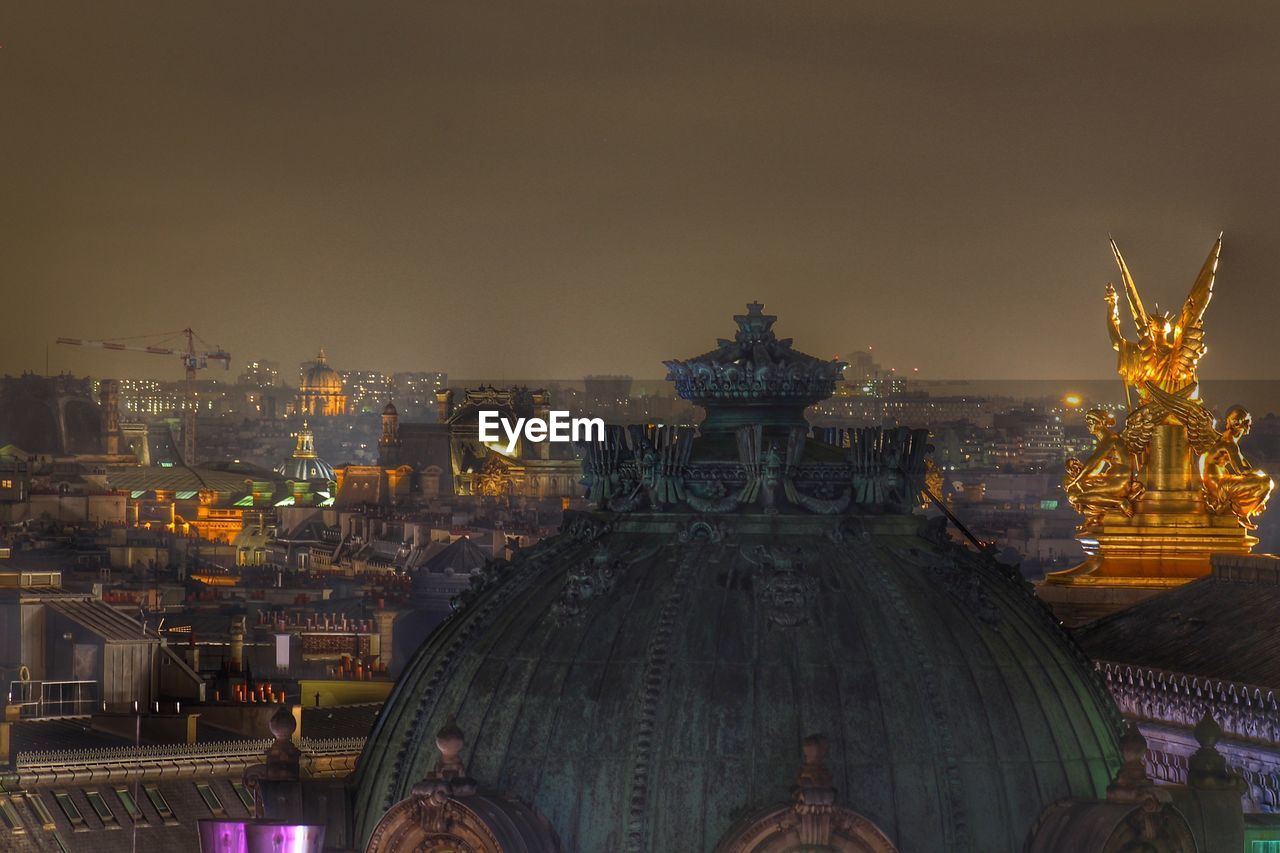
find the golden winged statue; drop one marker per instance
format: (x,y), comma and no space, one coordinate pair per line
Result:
(1231,483)
(1168,348)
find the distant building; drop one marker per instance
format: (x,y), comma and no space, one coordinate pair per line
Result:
(261,374)
(415,392)
(607,391)
(71,652)
(15,475)
(366,390)
(55,415)
(865,377)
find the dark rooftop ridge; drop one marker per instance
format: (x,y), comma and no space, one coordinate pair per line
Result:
(1247,568)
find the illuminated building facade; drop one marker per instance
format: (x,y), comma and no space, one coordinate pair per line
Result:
(531,470)
(321,391)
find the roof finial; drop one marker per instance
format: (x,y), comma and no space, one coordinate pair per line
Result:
(814,794)
(449,778)
(1207,768)
(1132,784)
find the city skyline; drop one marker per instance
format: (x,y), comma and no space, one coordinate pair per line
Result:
(283,181)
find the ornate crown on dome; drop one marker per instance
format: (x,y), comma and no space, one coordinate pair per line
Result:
(755,367)
(755,451)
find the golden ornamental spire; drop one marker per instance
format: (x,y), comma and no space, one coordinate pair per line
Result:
(306,445)
(1168,348)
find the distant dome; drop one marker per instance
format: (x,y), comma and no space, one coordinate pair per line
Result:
(304,464)
(321,391)
(321,378)
(390,409)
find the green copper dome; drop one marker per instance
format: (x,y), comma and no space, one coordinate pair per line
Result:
(644,680)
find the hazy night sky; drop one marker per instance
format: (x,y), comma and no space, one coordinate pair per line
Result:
(548,190)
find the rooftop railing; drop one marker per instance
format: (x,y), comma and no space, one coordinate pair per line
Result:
(53,698)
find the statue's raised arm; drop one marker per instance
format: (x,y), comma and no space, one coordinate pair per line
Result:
(1118,340)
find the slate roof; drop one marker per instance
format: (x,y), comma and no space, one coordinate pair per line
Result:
(364,488)
(57,734)
(99,617)
(177,832)
(424,445)
(1220,626)
(340,722)
(177,478)
(461,556)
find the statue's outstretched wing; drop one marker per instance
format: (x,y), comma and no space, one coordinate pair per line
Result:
(1139,427)
(1130,290)
(1198,420)
(1191,321)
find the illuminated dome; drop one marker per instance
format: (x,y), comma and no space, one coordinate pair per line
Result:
(304,464)
(321,390)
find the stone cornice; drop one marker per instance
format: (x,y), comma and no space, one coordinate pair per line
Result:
(320,757)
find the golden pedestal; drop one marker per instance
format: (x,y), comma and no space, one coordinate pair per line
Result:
(1165,543)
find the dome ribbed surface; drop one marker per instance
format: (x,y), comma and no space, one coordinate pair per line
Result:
(644,680)
(321,378)
(306,469)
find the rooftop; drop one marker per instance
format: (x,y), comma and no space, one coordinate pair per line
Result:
(1222,625)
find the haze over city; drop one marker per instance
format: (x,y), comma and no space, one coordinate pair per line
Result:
(534,190)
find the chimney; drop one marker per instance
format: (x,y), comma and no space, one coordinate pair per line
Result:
(109,397)
(444,405)
(237,645)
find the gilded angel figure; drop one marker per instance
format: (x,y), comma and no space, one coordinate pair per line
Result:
(1168,348)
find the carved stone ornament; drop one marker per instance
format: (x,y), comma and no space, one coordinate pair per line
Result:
(812,822)
(786,595)
(589,581)
(438,816)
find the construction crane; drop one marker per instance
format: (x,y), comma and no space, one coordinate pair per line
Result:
(191,362)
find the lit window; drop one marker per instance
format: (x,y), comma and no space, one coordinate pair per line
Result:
(41,810)
(102,810)
(211,800)
(130,806)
